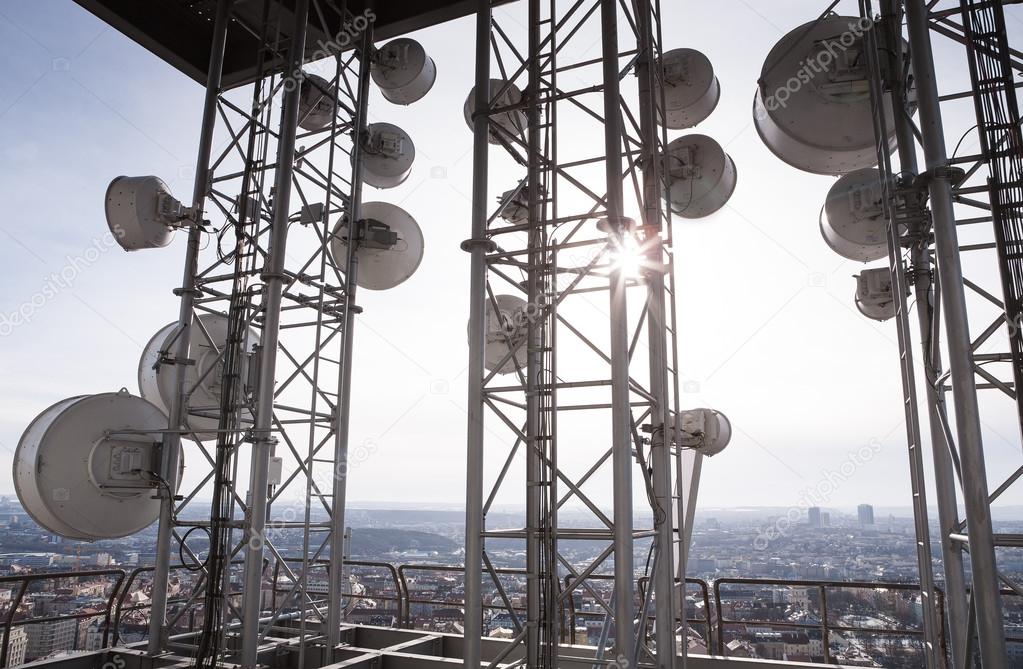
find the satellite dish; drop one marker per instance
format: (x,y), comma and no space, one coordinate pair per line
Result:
(701,176)
(208,337)
(507,328)
(141,212)
(391,247)
(812,107)
(852,220)
(387,154)
(78,480)
(315,102)
(874,295)
(514,204)
(403,71)
(512,122)
(705,430)
(691,91)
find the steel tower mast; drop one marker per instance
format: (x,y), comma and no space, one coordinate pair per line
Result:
(571,250)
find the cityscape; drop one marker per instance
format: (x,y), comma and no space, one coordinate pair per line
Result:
(762,583)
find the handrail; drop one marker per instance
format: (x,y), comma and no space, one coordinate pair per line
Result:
(23,582)
(122,582)
(824,626)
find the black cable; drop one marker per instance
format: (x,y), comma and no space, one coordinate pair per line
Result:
(199,566)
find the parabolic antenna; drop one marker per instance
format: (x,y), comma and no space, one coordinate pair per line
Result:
(141,212)
(691,91)
(515,204)
(78,480)
(403,71)
(812,107)
(706,430)
(208,338)
(315,102)
(387,153)
(874,295)
(852,219)
(701,176)
(513,122)
(507,327)
(390,249)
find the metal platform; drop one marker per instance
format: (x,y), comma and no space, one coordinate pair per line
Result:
(181,31)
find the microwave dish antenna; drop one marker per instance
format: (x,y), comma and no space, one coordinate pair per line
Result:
(502,94)
(87,467)
(387,155)
(875,297)
(403,71)
(141,212)
(207,341)
(691,91)
(507,329)
(852,220)
(705,430)
(390,245)
(701,176)
(812,107)
(315,102)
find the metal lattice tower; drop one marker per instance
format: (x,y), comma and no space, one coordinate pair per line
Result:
(564,261)
(273,193)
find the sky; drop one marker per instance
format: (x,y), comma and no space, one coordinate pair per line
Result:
(768,330)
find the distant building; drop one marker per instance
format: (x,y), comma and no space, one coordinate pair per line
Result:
(17,646)
(813,517)
(825,519)
(49,637)
(865,513)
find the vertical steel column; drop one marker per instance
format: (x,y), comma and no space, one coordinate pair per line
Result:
(657,334)
(476,246)
(188,291)
(621,412)
(335,570)
(273,277)
(956,607)
(986,598)
(534,345)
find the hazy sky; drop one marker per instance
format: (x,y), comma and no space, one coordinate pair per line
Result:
(769,333)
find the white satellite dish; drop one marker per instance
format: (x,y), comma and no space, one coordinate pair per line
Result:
(812,107)
(78,480)
(874,295)
(203,379)
(852,220)
(701,176)
(390,250)
(403,71)
(507,328)
(315,102)
(706,430)
(691,91)
(141,212)
(512,122)
(387,155)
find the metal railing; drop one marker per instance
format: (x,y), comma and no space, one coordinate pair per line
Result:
(824,624)
(22,583)
(716,625)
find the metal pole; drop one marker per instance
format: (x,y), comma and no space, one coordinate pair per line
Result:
(986,598)
(335,570)
(534,360)
(171,455)
(660,443)
(476,246)
(273,278)
(957,609)
(621,413)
